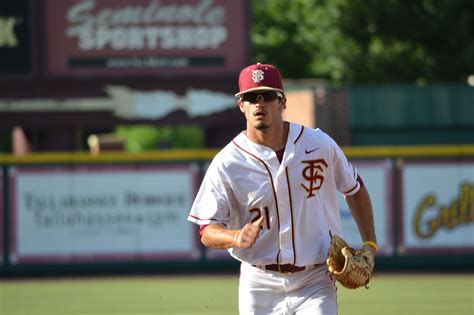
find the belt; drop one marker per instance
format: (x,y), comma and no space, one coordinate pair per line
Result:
(286,268)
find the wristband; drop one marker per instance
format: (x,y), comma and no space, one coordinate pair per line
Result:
(236,235)
(372,244)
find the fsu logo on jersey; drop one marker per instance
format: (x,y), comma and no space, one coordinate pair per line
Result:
(312,173)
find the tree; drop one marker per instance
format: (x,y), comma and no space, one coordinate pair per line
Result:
(298,36)
(354,41)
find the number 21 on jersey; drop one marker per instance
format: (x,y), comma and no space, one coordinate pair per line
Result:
(258,212)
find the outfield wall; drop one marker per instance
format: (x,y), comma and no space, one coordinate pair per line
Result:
(127,212)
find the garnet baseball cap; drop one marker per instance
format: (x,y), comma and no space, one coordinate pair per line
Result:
(259,77)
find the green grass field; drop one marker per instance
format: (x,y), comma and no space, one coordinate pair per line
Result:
(388,294)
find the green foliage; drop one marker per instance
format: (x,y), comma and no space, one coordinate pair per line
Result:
(145,137)
(370,41)
(191,137)
(419,41)
(138,138)
(298,36)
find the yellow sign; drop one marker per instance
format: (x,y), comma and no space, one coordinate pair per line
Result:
(430,216)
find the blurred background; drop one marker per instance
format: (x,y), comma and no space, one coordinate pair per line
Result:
(110,112)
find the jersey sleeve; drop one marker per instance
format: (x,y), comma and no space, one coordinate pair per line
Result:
(345,173)
(211,202)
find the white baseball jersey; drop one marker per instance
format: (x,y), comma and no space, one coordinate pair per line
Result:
(297,197)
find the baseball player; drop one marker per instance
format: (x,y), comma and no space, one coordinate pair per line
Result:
(269,197)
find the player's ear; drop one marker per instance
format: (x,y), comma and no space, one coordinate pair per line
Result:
(240,103)
(282,102)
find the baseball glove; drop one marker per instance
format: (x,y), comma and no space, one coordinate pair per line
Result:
(352,268)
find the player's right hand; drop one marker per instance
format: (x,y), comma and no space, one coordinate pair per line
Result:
(246,237)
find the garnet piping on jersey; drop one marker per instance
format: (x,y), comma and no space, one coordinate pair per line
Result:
(351,190)
(273,189)
(299,135)
(358,180)
(291,214)
(201,219)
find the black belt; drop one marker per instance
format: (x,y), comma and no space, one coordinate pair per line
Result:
(286,268)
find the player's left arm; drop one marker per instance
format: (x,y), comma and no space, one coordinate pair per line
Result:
(362,212)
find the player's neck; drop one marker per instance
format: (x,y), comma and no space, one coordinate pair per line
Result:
(274,137)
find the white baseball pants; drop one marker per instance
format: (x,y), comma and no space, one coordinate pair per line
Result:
(300,293)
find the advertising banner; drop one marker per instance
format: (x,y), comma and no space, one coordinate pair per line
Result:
(159,37)
(378,179)
(438,207)
(14,37)
(101,213)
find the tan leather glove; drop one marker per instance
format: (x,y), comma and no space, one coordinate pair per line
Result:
(350,267)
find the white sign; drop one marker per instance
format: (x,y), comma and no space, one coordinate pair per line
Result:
(377,179)
(438,206)
(101,213)
(157,104)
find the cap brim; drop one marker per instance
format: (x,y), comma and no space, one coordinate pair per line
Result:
(260,88)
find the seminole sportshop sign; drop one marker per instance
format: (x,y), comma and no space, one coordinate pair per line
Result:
(146,36)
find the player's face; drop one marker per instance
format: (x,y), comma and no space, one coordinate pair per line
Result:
(262,109)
